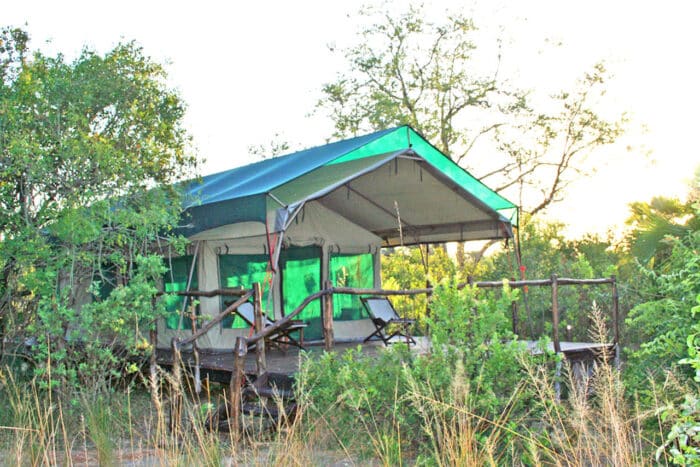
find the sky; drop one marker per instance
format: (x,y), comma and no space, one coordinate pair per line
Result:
(251,73)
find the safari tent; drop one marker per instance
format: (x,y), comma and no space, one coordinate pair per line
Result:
(295,221)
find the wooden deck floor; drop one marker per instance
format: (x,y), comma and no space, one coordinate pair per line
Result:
(278,361)
(219,364)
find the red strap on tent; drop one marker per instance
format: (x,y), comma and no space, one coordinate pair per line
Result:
(270,246)
(522,276)
(519,258)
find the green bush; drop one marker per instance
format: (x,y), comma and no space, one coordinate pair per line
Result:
(474,356)
(664,320)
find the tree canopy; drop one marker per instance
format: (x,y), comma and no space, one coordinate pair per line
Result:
(88,149)
(407,70)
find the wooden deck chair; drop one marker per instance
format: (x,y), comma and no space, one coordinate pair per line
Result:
(283,335)
(383,314)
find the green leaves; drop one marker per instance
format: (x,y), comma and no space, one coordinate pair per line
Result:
(89,152)
(404,69)
(468,319)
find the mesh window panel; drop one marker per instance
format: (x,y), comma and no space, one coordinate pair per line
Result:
(242,271)
(351,271)
(175,280)
(301,277)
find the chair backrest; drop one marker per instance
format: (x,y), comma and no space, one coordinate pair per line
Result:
(247,312)
(380,308)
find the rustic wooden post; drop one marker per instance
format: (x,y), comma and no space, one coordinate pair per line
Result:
(240,350)
(195,352)
(260,358)
(514,313)
(616,320)
(328,338)
(153,372)
(555,313)
(176,389)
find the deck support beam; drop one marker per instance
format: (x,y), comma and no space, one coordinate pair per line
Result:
(260,357)
(328,337)
(176,389)
(235,386)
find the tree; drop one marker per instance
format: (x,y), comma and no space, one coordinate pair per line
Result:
(415,268)
(276,147)
(665,241)
(88,149)
(664,317)
(406,70)
(654,223)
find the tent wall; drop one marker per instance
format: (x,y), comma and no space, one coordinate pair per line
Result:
(316,226)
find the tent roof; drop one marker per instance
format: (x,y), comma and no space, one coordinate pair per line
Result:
(261,177)
(252,192)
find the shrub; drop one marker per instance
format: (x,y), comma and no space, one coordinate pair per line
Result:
(474,358)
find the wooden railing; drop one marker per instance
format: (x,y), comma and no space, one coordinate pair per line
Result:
(243,344)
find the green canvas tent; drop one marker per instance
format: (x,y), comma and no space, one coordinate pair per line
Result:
(295,221)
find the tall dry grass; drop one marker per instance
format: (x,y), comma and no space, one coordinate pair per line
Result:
(37,428)
(590,422)
(595,423)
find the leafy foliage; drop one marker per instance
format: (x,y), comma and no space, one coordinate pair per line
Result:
(682,444)
(654,222)
(415,268)
(663,321)
(407,70)
(545,251)
(85,147)
(472,351)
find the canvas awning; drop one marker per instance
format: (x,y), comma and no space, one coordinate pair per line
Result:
(371,180)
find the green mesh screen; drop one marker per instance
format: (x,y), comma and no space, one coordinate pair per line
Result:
(301,277)
(242,271)
(351,271)
(175,280)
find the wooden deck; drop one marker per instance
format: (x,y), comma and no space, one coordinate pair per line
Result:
(218,365)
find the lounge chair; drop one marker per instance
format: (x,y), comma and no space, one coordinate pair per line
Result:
(383,314)
(283,335)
